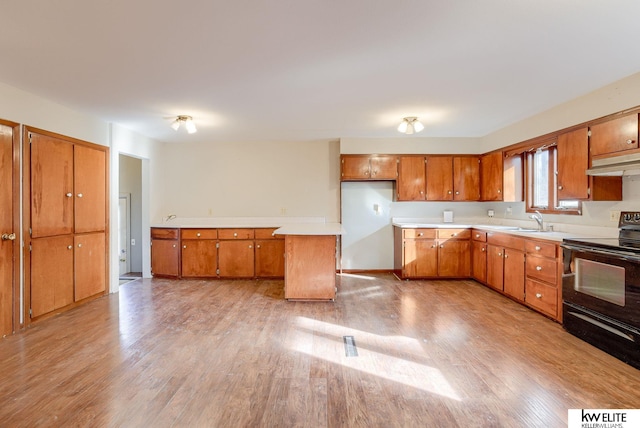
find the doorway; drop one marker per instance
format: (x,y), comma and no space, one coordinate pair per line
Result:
(130,218)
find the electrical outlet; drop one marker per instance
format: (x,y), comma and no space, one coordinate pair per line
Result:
(614,215)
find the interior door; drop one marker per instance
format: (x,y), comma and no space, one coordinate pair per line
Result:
(90,189)
(124,234)
(7,244)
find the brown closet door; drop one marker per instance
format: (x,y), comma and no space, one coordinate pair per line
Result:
(51,186)
(90,189)
(6,227)
(51,274)
(90,265)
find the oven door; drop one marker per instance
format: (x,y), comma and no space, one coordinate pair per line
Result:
(603,281)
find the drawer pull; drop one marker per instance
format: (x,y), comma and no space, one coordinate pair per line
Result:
(538,295)
(79,195)
(420,234)
(506,256)
(235,234)
(483,250)
(442,246)
(453,234)
(538,268)
(184,246)
(500,254)
(477,235)
(629,141)
(68,195)
(198,234)
(69,247)
(538,248)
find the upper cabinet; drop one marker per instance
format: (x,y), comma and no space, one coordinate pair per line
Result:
(368,167)
(439,174)
(501,178)
(614,136)
(573,161)
(466,178)
(411,178)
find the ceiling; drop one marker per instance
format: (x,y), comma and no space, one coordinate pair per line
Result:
(300,70)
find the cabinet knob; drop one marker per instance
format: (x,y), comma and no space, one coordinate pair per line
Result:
(8,236)
(374,172)
(422,192)
(454,234)
(538,295)
(537,248)
(258,246)
(477,235)
(559,187)
(442,246)
(538,268)
(420,234)
(79,195)
(506,256)
(235,234)
(629,141)
(500,254)
(198,234)
(79,245)
(184,246)
(457,193)
(70,247)
(449,192)
(68,195)
(483,249)
(499,190)
(250,246)
(174,245)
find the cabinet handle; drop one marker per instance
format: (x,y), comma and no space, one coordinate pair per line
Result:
(454,234)
(79,195)
(506,256)
(500,254)
(449,192)
(629,141)
(174,245)
(374,172)
(250,246)
(422,192)
(198,234)
(538,268)
(559,187)
(477,235)
(433,246)
(538,295)
(70,247)
(184,246)
(537,248)
(258,246)
(499,190)
(420,234)
(235,234)
(442,246)
(457,193)
(79,245)
(68,195)
(483,249)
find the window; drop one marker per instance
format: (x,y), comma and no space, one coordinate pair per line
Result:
(541,189)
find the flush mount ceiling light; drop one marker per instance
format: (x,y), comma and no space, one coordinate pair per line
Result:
(189,124)
(409,125)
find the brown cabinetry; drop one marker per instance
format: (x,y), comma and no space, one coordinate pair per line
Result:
(466,178)
(411,178)
(439,178)
(269,254)
(506,264)
(572,162)
(615,136)
(236,256)
(368,167)
(542,290)
(165,252)
(479,255)
(501,178)
(68,211)
(432,253)
(199,252)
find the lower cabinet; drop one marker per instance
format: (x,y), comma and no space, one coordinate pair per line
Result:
(505,264)
(66,269)
(438,253)
(543,292)
(479,255)
(216,253)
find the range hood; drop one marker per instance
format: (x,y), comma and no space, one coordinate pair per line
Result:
(616,166)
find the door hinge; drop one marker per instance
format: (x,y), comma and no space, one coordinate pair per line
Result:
(29,137)
(588,191)
(30,312)
(29,247)
(217,271)
(589,133)
(217,245)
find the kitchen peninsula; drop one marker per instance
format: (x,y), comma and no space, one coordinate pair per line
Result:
(310,260)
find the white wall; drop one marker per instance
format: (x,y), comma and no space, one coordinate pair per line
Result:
(130,176)
(411,145)
(296,179)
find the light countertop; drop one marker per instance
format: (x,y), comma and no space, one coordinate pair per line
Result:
(311,229)
(236,222)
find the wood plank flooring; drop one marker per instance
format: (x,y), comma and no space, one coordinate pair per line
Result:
(166,353)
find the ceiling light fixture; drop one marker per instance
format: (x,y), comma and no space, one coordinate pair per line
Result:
(409,125)
(189,124)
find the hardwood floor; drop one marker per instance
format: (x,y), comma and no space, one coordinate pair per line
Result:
(234,353)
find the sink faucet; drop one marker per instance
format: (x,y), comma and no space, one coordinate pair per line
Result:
(538,218)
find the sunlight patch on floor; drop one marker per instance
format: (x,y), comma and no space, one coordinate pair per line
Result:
(375,355)
(352,275)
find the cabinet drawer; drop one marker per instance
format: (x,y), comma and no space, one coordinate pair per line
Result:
(454,233)
(505,240)
(267,233)
(419,233)
(235,233)
(542,297)
(545,249)
(199,233)
(164,233)
(542,268)
(479,235)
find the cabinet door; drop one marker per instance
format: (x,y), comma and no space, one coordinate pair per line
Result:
(514,273)
(491,177)
(614,136)
(355,168)
(51,274)
(51,186)
(420,257)
(236,259)
(411,178)
(495,267)
(90,265)
(384,167)
(165,257)
(466,178)
(454,258)
(479,261)
(270,258)
(573,161)
(439,177)
(199,258)
(90,189)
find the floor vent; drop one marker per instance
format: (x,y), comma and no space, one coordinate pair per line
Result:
(350,349)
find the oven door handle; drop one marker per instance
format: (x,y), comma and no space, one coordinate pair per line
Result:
(613,254)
